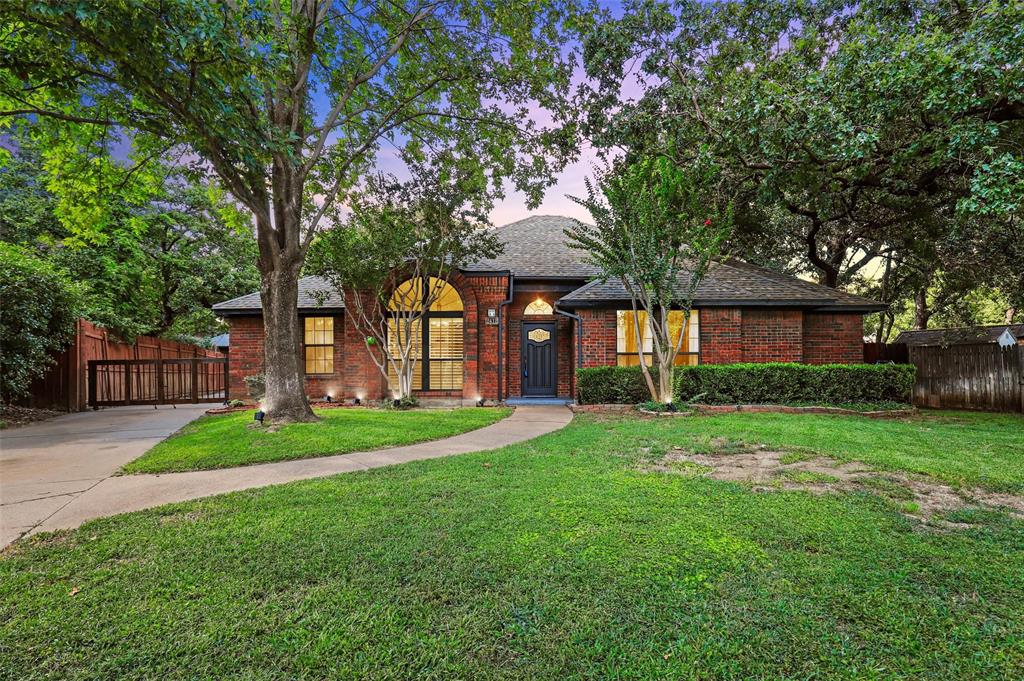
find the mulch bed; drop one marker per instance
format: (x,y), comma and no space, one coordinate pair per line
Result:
(14,416)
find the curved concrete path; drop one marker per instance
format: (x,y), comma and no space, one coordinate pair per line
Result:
(125,493)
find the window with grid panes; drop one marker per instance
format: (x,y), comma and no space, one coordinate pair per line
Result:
(435,341)
(319,345)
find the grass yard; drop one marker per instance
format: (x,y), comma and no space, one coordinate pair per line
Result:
(556,558)
(227,440)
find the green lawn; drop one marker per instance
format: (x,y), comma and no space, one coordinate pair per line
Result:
(228,440)
(556,558)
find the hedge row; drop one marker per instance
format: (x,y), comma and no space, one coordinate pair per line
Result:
(775,383)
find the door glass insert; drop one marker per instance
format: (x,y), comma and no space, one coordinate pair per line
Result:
(539,335)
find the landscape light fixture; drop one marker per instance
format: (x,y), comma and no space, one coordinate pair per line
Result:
(357,401)
(259,416)
(397,403)
(327,398)
(479,401)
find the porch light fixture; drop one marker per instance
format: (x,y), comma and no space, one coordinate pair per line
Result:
(259,416)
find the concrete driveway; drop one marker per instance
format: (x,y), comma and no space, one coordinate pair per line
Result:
(46,466)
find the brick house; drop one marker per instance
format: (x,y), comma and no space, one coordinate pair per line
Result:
(518,325)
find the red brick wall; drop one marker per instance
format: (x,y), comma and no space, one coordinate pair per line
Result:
(837,338)
(772,335)
(245,356)
(599,336)
(721,335)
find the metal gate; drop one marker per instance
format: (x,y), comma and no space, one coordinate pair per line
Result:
(120,382)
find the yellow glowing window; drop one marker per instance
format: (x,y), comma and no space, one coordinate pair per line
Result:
(626,345)
(435,341)
(538,307)
(319,345)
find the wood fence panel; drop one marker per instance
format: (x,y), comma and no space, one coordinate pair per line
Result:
(67,384)
(982,376)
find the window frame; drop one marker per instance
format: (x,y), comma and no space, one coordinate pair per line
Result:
(425,359)
(306,346)
(650,354)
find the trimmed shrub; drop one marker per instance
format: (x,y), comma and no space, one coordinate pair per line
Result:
(611,385)
(774,383)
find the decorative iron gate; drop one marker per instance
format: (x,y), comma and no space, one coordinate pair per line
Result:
(120,382)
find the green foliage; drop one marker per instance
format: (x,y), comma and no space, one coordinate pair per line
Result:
(39,305)
(770,383)
(851,132)
(401,404)
(170,246)
(657,227)
(782,383)
(611,385)
(226,440)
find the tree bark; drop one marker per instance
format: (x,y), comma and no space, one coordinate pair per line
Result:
(285,400)
(921,312)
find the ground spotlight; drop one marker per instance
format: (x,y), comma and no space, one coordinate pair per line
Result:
(259,416)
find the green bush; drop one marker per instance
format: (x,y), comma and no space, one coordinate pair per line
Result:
(611,385)
(39,304)
(775,383)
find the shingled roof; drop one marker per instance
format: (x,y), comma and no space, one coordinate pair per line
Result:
(962,335)
(537,248)
(733,282)
(315,293)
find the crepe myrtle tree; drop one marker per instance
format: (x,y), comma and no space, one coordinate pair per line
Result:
(658,228)
(287,105)
(420,232)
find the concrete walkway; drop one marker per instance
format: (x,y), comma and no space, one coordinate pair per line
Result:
(120,494)
(46,466)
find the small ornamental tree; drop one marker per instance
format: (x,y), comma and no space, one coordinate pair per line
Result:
(392,259)
(657,229)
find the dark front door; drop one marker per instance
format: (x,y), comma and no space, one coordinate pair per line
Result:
(540,371)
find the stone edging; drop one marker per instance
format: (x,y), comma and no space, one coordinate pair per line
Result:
(709,409)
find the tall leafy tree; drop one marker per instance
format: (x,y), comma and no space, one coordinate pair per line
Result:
(164,255)
(852,131)
(288,103)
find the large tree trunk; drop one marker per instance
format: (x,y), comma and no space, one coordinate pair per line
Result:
(921,312)
(285,399)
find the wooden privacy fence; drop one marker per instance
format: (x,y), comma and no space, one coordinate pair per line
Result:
(118,382)
(66,385)
(981,376)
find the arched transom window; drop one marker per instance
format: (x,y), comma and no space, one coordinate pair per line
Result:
(436,337)
(538,307)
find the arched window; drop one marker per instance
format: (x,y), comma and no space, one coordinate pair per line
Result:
(538,307)
(436,337)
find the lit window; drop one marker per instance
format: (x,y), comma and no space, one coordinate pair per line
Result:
(319,345)
(538,307)
(626,347)
(436,341)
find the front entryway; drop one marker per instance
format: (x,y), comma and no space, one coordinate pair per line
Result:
(539,363)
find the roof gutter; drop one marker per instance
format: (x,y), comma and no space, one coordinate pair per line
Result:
(579,333)
(501,334)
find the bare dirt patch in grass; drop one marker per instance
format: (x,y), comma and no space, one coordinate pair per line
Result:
(767,470)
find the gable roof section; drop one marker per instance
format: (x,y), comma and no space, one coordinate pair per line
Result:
(733,282)
(962,335)
(315,294)
(536,248)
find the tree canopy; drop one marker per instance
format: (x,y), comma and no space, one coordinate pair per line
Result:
(288,105)
(855,134)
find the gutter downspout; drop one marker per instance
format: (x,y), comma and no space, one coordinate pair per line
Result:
(501,335)
(579,341)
